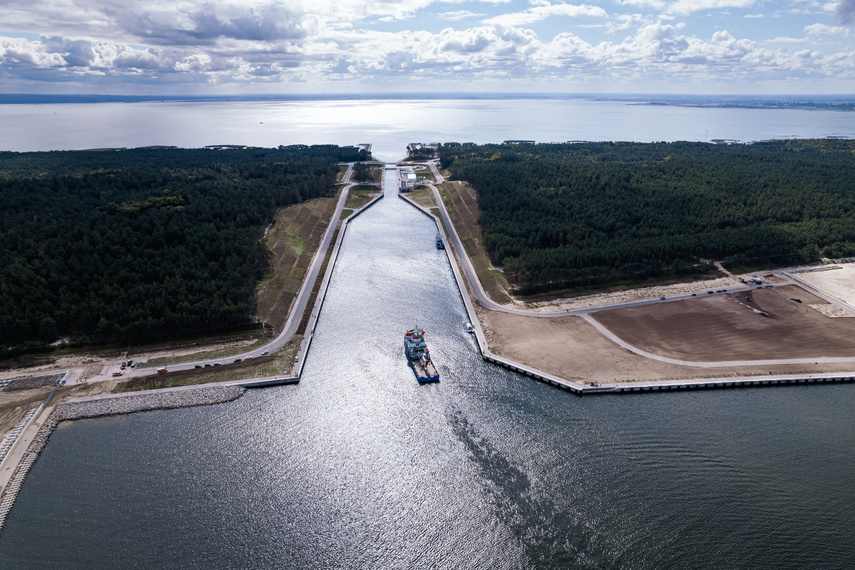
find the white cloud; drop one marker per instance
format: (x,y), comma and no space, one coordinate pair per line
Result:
(822,31)
(689,6)
(624,22)
(459,15)
(655,4)
(274,42)
(546,10)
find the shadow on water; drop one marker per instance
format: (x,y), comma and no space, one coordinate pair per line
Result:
(549,535)
(359,466)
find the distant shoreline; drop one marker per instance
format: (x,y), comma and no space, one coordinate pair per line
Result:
(825,102)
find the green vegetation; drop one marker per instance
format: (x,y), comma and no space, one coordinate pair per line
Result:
(132,245)
(422,197)
(559,215)
(361,195)
(363,172)
(293,243)
(425,172)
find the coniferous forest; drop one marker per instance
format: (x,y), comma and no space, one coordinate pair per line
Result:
(131,245)
(558,215)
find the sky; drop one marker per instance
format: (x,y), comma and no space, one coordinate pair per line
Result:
(219,47)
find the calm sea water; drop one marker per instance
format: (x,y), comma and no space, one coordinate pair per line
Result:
(359,466)
(390,124)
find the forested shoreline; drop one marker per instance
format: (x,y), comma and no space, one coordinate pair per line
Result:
(559,215)
(139,244)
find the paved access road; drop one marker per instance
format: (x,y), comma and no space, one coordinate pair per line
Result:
(485,301)
(295,315)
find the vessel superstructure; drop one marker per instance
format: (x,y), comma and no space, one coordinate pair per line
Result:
(418,354)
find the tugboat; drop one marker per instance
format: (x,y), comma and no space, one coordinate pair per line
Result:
(418,354)
(439,244)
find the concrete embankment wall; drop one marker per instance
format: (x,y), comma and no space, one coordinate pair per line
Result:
(166,398)
(325,283)
(619,387)
(458,278)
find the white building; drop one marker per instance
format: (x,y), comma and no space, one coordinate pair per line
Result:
(408,179)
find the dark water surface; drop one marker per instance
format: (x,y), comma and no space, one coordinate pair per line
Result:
(359,466)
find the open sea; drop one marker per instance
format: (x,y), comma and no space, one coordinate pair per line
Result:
(390,124)
(359,466)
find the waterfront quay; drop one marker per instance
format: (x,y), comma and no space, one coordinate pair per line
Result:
(592,388)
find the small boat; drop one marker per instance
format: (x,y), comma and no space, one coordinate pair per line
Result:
(439,243)
(469,328)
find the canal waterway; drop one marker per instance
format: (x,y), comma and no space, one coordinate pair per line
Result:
(359,466)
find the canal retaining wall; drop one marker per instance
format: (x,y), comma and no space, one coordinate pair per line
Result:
(458,277)
(616,387)
(165,398)
(325,284)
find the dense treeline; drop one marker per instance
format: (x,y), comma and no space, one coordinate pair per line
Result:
(558,214)
(135,244)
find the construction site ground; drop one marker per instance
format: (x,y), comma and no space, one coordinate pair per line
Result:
(572,348)
(839,282)
(760,324)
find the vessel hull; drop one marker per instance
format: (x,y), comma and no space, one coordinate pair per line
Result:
(424,374)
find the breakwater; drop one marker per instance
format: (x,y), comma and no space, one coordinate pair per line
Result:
(140,402)
(10,439)
(110,405)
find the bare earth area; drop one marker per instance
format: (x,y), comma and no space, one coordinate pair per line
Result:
(14,405)
(573,349)
(636,294)
(839,283)
(734,327)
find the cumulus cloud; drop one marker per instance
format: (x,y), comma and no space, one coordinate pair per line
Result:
(211,23)
(655,4)
(689,6)
(546,10)
(75,53)
(255,42)
(459,15)
(822,31)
